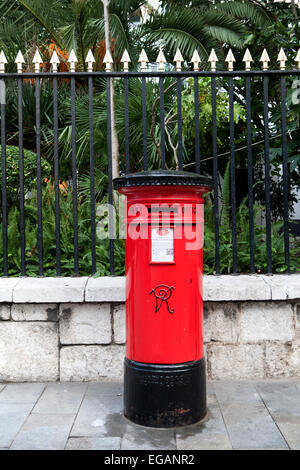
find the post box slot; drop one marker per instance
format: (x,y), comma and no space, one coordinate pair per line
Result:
(163,209)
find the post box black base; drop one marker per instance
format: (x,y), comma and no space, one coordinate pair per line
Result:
(163,396)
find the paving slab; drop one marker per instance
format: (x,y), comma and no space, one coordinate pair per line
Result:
(211,434)
(44,432)
(21,393)
(60,398)
(283,403)
(2,387)
(93,443)
(12,417)
(248,422)
(100,414)
(141,438)
(112,388)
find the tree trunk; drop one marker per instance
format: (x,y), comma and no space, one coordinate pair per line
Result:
(294,9)
(114,135)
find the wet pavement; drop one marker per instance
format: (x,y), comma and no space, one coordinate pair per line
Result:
(88,416)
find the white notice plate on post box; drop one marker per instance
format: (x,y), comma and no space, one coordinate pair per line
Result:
(162,245)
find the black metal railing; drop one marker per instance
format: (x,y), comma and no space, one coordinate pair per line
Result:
(219,80)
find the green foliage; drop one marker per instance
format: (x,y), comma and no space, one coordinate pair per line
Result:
(12,173)
(243,238)
(102,246)
(206,118)
(243,243)
(67,238)
(203,24)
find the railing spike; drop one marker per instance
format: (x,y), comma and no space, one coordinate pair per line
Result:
(90,59)
(282,58)
(125,60)
(213,59)
(37,61)
(161,61)
(178,59)
(196,60)
(54,61)
(247,59)
(19,61)
(72,60)
(143,60)
(230,59)
(108,61)
(3,61)
(265,59)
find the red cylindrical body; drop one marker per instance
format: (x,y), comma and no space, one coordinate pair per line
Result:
(162,337)
(164,302)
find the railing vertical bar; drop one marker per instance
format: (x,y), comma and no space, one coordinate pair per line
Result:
(232,176)
(21,176)
(179,120)
(56,177)
(216,174)
(3,182)
(267,175)
(74,176)
(285,174)
(92,175)
(197,129)
(162,123)
(39,174)
(250,173)
(127,147)
(110,177)
(144,111)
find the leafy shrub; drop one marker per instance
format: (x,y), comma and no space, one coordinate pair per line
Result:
(49,238)
(243,243)
(12,173)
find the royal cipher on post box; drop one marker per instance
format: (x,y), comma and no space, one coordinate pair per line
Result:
(164,379)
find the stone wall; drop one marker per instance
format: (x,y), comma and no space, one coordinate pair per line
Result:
(73,329)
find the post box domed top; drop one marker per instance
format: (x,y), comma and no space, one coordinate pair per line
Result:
(162,178)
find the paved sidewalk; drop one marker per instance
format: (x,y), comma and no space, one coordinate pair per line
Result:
(242,415)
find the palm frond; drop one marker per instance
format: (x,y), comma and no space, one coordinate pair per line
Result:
(248,11)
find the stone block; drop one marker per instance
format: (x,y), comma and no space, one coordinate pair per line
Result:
(34,312)
(85,324)
(91,363)
(293,286)
(298,316)
(234,362)
(119,316)
(4,312)
(28,352)
(7,286)
(282,360)
(284,286)
(105,289)
(221,322)
(238,288)
(50,290)
(261,321)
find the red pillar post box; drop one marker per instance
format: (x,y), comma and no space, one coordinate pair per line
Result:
(164,380)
